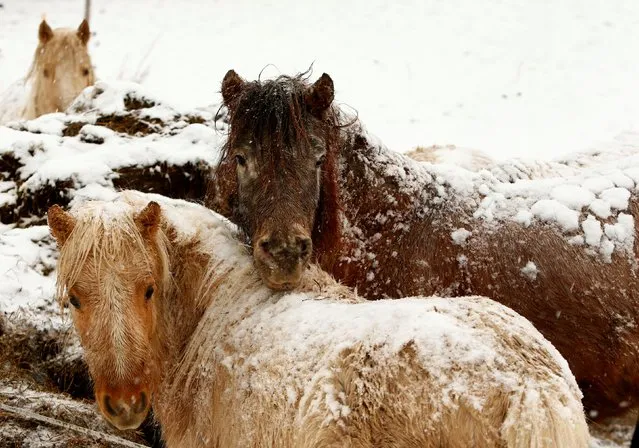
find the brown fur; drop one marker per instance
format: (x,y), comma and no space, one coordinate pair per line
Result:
(233,369)
(262,151)
(393,239)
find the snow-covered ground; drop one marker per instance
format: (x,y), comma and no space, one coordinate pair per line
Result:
(519,78)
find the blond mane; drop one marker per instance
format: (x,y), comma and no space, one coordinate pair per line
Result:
(64,39)
(107,235)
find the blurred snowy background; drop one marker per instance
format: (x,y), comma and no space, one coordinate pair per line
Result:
(534,79)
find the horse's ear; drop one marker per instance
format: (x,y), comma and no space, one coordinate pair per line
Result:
(45,33)
(320,95)
(84,32)
(232,86)
(61,224)
(149,219)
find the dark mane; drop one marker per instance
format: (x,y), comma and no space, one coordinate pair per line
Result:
(273,108)
(274,111)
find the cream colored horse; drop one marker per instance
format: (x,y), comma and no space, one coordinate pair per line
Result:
(61,69)
(171,312)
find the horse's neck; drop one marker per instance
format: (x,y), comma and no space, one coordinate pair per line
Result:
(385,180)
(182,307)
(396,213)
(233,291)
(39,102)
(203,264)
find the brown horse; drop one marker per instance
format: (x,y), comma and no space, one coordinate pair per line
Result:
(171,311)
(61,69)
(561,253)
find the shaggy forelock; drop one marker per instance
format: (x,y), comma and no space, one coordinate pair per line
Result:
(64,44)
(108,241)
(271,111)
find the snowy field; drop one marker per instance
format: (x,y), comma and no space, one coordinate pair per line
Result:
(521,78)
(534,80)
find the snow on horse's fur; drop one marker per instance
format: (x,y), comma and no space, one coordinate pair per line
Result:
(229,362)
(60,70)
(470,159)
(560,250)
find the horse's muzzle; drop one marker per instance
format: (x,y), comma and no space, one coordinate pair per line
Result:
(281,261)
(124,409)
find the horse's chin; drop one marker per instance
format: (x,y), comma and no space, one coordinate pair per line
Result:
(278,282)
(127,425)
(284,286)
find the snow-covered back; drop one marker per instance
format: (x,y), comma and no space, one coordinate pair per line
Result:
(583,192)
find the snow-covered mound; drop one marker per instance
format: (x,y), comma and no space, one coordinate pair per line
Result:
(114,135)
(74,423)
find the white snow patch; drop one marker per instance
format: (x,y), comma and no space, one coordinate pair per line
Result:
(26,255)
(551,210)
(524,217)
(623,231)
(600,208)
(460,236)
(606,249)
(597,184)
(530,271)
(572,196)
(576,240)
(592,231)
(616,197)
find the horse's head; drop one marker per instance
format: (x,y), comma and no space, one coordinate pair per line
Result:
(112,271)
(281,149)
(61,67)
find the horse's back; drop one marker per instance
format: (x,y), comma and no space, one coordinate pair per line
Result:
(414,372)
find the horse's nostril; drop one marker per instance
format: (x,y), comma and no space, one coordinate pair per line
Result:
(141,404)
(304,245)
(264,244)
(107,405)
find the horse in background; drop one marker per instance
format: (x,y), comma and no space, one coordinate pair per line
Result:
(307,183)
(171,312)
(60,70)
(469,159)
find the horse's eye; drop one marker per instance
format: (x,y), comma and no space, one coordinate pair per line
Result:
(320,161)
(73,300)
(240,160)
(85,72)
(45,72)
(149,293)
